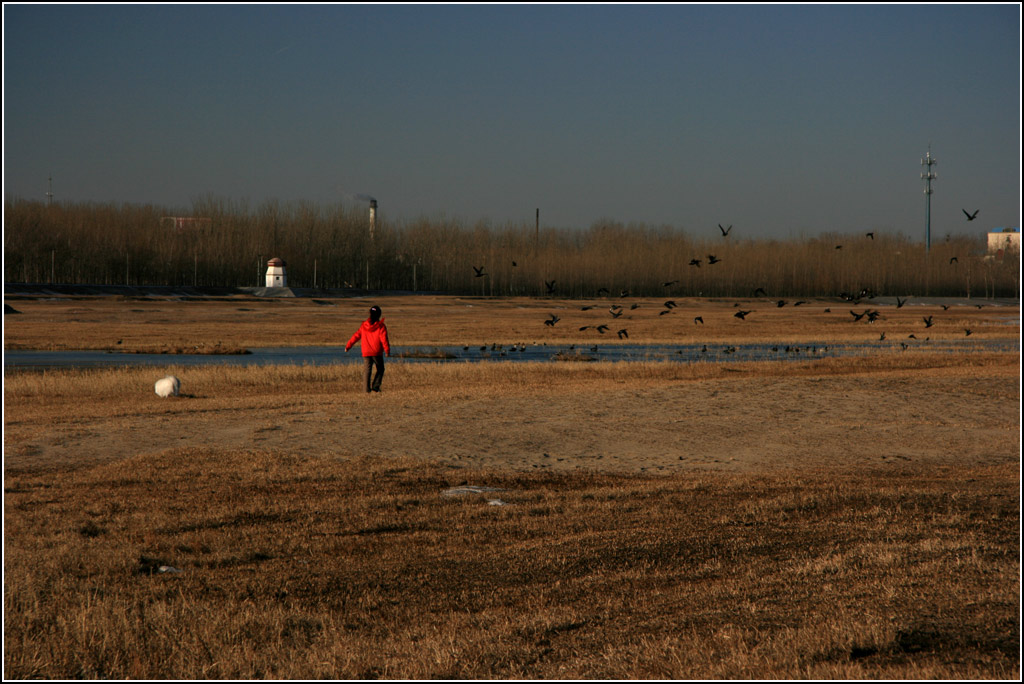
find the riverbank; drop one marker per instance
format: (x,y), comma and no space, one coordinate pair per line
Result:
(146,324)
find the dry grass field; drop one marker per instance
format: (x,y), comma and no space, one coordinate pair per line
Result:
(153,324)
(853,518)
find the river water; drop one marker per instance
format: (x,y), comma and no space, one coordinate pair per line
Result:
(681,353)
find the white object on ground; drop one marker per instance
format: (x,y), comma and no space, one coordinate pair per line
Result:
(168,386)
(469,489)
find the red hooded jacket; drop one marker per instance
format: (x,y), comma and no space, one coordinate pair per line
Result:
(374,338)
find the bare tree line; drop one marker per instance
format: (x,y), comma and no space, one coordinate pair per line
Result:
(331,247)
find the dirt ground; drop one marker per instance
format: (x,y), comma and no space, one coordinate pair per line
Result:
(921,418)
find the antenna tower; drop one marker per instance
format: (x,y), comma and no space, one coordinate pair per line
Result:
(928,176)
(49,192)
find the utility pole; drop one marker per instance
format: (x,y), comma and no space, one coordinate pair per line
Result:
(49,192)
(373,227)
(536,233)
(928,177)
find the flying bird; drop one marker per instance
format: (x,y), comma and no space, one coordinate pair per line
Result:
(742,315)
(622,333)
(695,262)
(664,311)
(602,329)
(586,308)
(669,283)
(952,259)
(945,307)
(900,302)
(712,259)
(479,272)
(698,319)
(881,337)
(928,322)
(552,320)
(781,303)
(800,302)
(870,235)
(550,285)
(615,312)
(761,290)
(970,217)
(967,332)
(603,289)
(725,231)
(514,264)
(857,316)
(670,304)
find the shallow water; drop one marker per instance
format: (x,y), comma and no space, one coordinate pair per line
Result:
(683,353)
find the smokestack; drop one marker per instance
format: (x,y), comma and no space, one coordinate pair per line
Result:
(373,217)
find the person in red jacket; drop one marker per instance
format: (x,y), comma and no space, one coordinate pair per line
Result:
(373,340)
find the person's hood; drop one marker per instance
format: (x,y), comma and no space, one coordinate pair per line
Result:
(370,327)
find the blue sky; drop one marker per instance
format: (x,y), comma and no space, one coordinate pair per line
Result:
(782,120)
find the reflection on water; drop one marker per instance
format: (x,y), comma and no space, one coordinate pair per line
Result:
(683,353)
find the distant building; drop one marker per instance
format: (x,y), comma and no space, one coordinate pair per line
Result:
(1004,242)
(276,276)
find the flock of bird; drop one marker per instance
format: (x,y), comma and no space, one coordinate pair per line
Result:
(869,315)
(616,311)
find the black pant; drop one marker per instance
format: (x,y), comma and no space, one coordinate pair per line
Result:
(369,362)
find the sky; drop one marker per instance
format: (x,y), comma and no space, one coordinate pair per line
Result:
(784,121)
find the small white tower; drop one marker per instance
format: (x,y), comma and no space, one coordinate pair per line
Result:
(276,276)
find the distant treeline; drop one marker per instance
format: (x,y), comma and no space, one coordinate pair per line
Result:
(331,247)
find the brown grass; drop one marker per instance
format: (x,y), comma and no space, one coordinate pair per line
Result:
(427,321)
(353,568)
(850,518)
